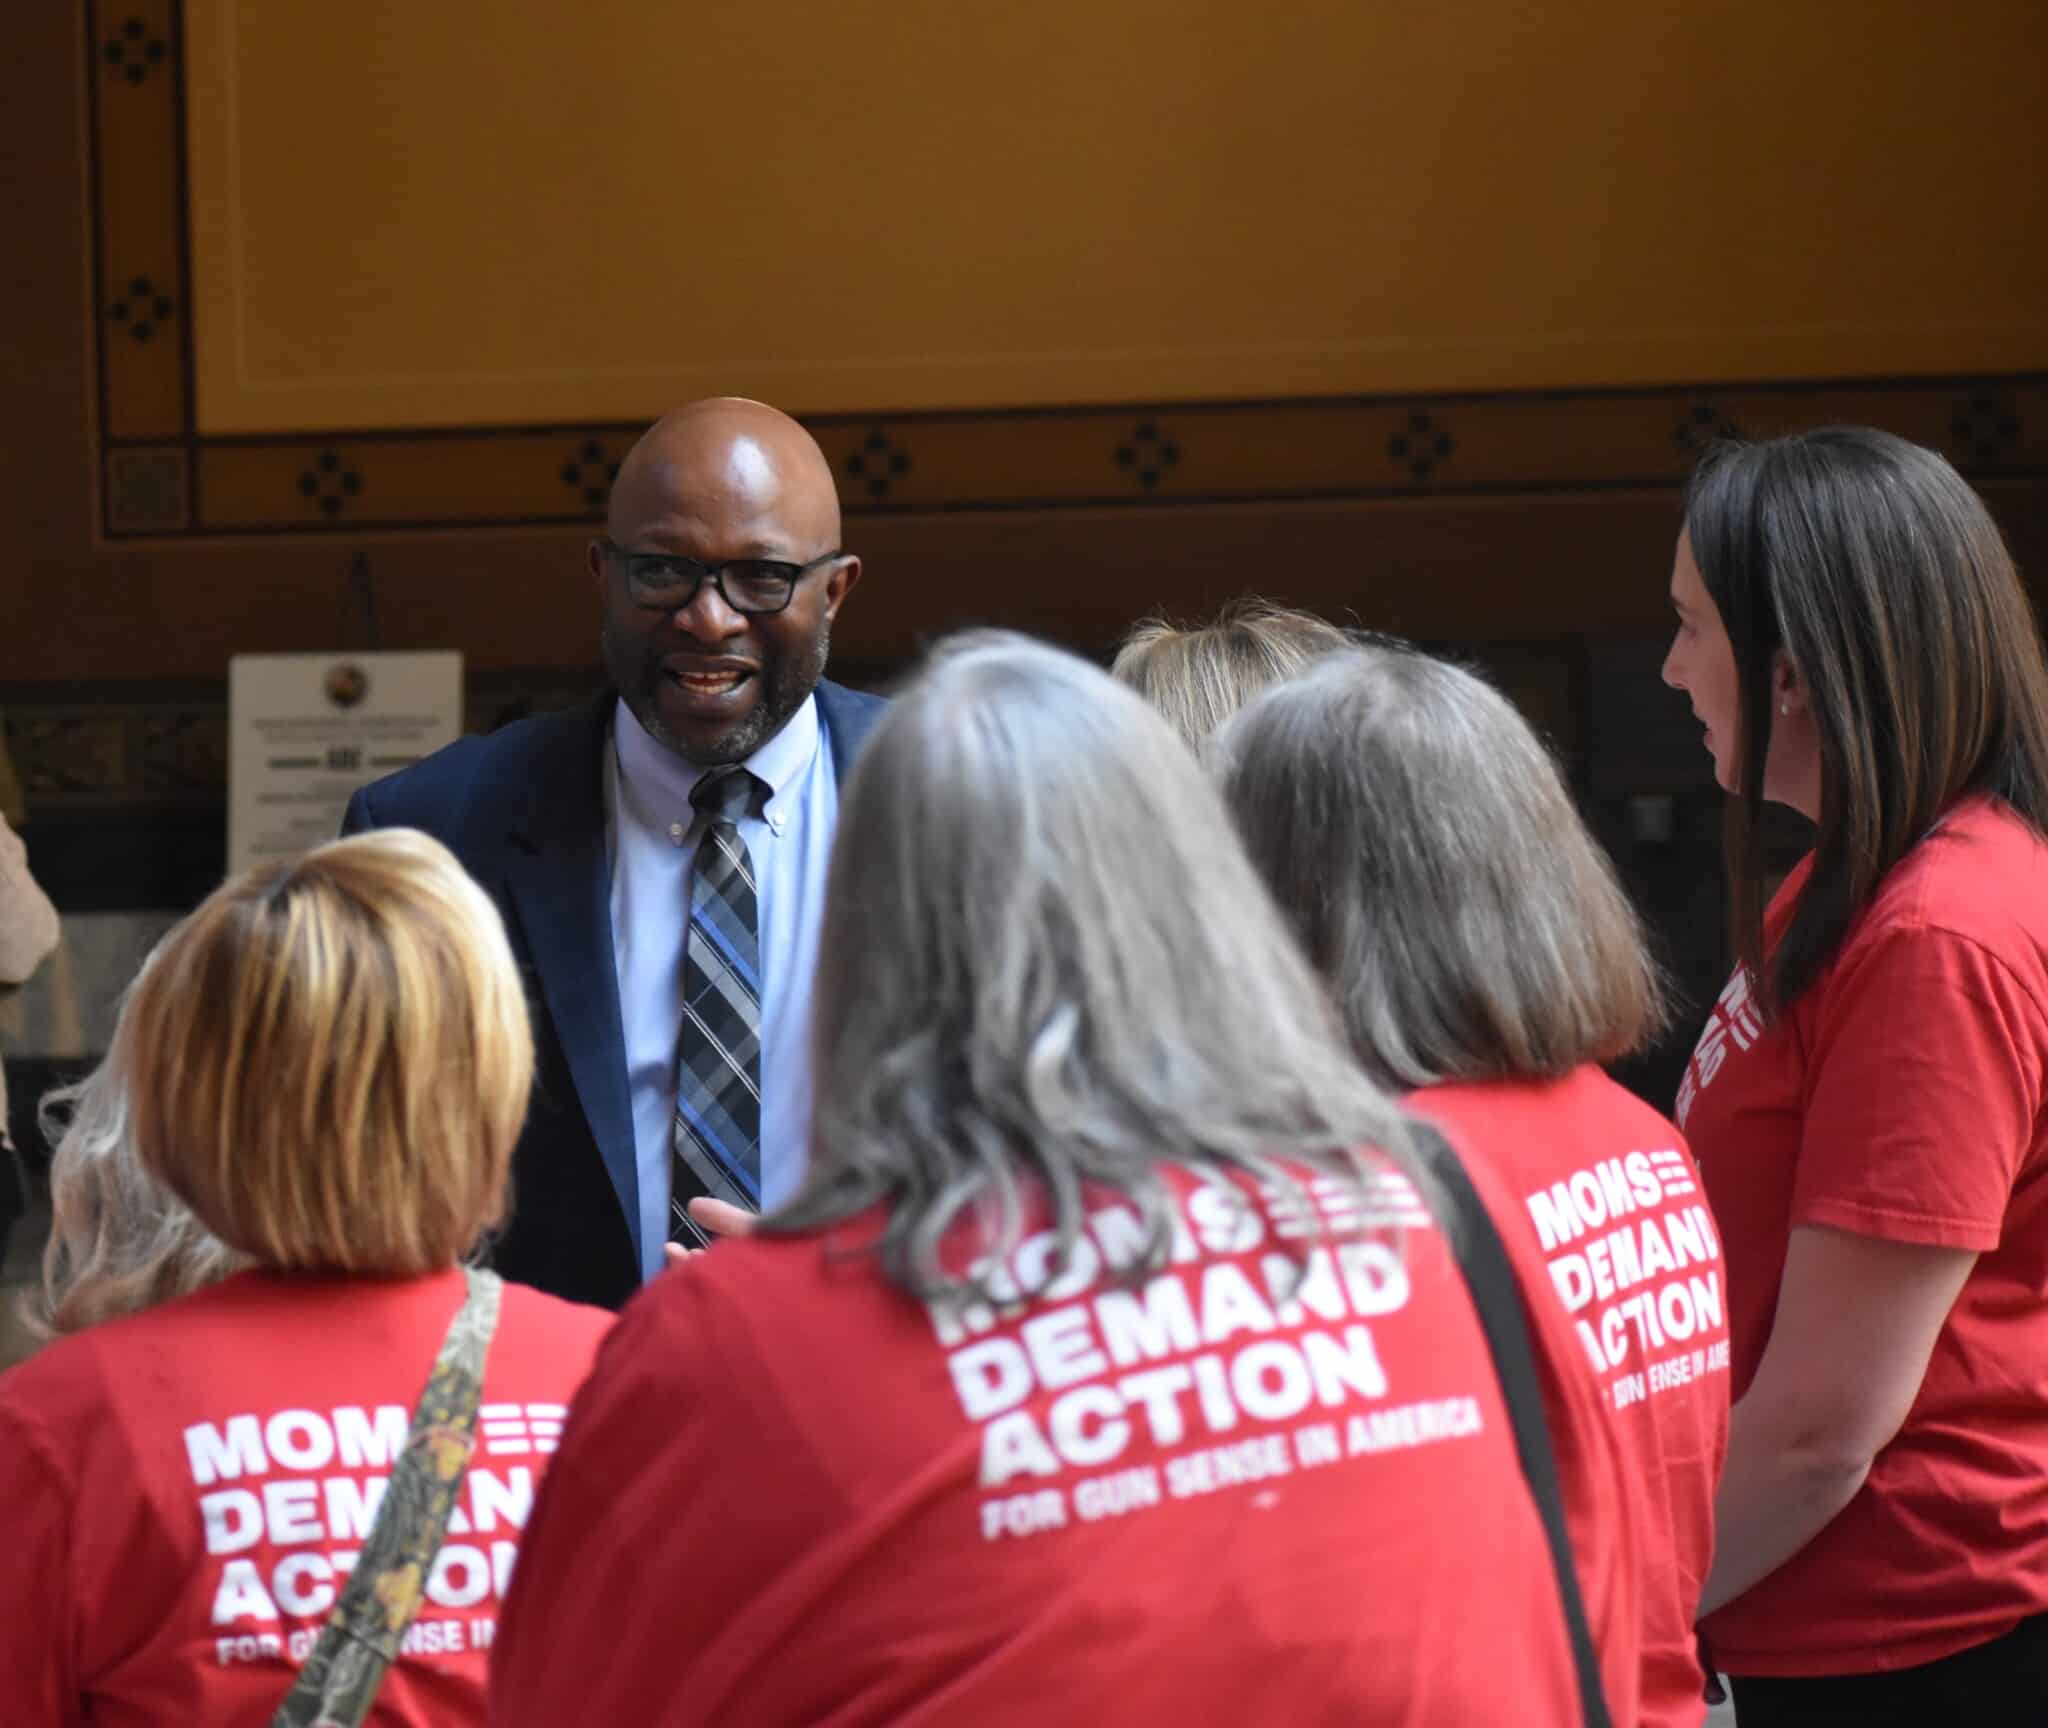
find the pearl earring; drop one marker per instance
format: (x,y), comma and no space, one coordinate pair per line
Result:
(1784,707)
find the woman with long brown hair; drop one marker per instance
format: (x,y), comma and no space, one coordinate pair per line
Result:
(1867,1100)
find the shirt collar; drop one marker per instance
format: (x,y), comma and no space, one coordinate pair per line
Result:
(657,782)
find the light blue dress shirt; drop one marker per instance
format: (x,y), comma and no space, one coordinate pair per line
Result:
(653,835)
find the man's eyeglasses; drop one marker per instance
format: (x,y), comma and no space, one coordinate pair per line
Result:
(750,585)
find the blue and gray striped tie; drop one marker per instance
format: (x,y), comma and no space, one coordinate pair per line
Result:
(718,1080)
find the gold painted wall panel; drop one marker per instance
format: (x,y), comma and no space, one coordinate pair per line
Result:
(459,215)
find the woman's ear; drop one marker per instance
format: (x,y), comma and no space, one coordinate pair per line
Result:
(1789,694)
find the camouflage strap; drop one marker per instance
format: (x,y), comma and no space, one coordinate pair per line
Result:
(383,1593)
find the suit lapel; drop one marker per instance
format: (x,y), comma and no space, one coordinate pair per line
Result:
(560,881)
(848,717)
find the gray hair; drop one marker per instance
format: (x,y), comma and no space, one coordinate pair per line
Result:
(1046,962)
(1422,840)
(119,1242)
(1198,675)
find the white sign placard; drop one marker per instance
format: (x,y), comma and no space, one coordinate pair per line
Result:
(306,730)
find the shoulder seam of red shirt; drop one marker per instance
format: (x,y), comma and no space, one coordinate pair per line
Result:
(1926,924)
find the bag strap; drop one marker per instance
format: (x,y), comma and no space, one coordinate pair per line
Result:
(360,1640)
(1495,1293)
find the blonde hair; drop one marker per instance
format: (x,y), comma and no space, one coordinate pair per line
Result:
(1420,838)
(118,1242)
(329,1061)
(1198,675)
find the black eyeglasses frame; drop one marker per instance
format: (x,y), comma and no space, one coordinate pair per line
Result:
(684,594)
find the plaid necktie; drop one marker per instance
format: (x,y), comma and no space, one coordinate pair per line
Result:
(718,1081)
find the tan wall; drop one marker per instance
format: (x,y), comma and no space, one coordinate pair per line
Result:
(1416,146)
(409,215)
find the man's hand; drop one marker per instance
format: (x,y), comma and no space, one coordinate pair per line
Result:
(716,1216)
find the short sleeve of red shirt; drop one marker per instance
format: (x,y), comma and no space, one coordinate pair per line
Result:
(1926,1090)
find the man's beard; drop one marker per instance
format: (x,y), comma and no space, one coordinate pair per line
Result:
(786,684)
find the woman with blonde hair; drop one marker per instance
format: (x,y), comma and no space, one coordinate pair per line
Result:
(1485,962)
(1108,1367)
(1198,675)
(327,1064)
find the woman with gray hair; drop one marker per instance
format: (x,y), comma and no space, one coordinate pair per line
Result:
(1108,1363)
(119,1240)
(1485,961)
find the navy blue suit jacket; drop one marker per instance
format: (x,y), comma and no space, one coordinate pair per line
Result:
(523,809)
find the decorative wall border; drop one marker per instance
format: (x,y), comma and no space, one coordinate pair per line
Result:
(162,480)
(164,743)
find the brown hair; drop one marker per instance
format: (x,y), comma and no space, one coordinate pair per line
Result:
(1198,675)
(329,1060)
(1877,570)
(1421,840)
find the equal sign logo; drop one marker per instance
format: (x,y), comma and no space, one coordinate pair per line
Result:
(1385,1201)
(1673,1172)
(515,1431)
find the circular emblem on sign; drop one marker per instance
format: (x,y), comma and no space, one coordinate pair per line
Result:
(346,684)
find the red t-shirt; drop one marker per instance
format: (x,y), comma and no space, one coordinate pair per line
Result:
(183,1490)
(790,1493)
(1635,1260)
(1901,1097)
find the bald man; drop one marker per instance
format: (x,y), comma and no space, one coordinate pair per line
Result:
(660,856)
